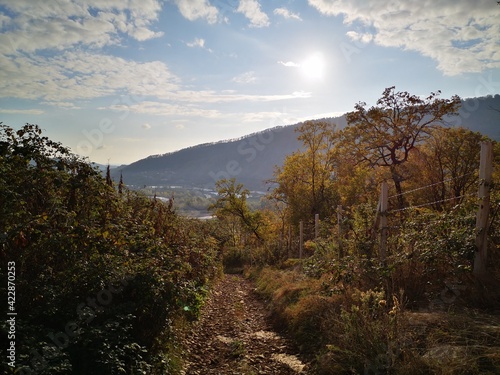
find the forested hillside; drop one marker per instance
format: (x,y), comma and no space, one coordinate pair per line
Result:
(249,159)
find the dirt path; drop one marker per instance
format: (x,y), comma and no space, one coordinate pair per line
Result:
(233,336)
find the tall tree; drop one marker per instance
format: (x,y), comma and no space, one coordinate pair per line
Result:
(305,181)
(318,138)
(448,162)
(232,201)
(121,184)
(109,181)
(385,134)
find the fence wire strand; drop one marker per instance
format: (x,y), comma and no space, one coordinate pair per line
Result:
(431,203)
(431,185)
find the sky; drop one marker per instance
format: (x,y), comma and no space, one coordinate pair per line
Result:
(119,80)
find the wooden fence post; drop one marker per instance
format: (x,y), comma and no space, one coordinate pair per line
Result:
(384,199)
(301,238)
(485,179)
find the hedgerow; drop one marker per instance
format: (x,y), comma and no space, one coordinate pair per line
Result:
(103,275)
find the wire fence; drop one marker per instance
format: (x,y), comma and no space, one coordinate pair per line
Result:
(457,192)
(456,198)
(432,203)
(432,185)
(429,217)
(458,204)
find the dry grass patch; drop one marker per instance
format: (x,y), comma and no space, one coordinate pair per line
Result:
(369,332)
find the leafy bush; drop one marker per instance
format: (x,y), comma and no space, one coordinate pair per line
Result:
(102,274)
(432,249)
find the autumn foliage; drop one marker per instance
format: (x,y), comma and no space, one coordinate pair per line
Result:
(353,312)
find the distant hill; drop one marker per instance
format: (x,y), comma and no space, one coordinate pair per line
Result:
(104,167)
(251,159)
(480,115)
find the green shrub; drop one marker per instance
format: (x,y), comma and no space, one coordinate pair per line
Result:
(102,274)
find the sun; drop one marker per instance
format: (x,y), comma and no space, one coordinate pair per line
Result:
(314,66)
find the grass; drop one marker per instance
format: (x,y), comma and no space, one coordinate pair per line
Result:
(368,332)
(237,349)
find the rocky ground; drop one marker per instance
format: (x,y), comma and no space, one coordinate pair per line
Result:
(234,336)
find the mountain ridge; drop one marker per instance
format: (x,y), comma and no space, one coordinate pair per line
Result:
(251,159)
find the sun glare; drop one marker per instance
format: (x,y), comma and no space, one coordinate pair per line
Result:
(314,66)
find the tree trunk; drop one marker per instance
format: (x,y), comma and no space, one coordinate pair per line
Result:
(396,177)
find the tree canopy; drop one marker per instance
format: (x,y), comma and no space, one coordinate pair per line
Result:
(305,181)
(232,201)
(385,134)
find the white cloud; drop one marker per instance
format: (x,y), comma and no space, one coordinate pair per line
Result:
(81,76)
(143,33)
(61,104)
(198,42)
(39,25)
(209,97)
(4,21)
(289,64)
(34,34)
(166,109)
(62,79)
(189,103)
(245,78)
(50,52)
(195,9)
(251,10)
(461,35)
(146,126)
(285,13)
(362,37)
(13,111)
